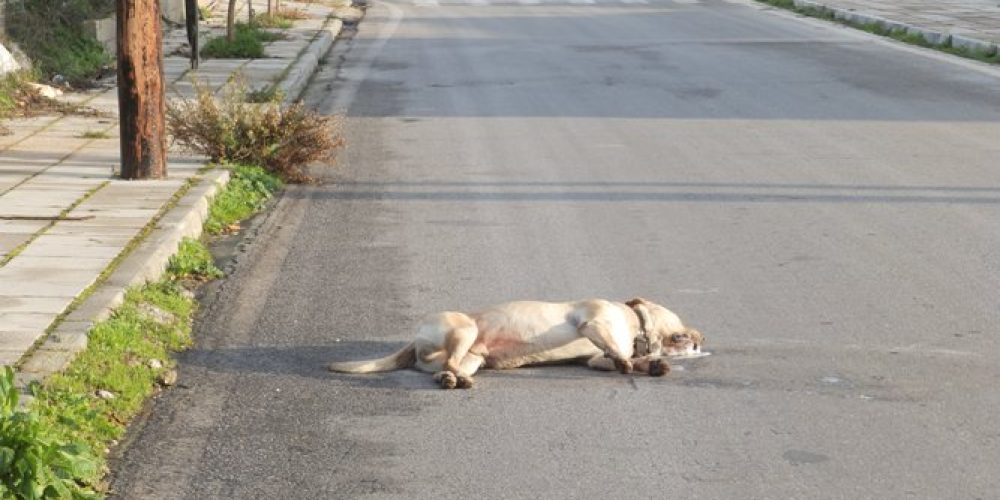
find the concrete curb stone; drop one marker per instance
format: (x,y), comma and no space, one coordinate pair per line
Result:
(305,65)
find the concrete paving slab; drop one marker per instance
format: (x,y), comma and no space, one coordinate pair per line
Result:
(19,339)
(10,241)
(86,240)
(67,228)
(44,247)
(33,289)
(9,356)
(21,322)
(21,226)
(32,305)
(90,263)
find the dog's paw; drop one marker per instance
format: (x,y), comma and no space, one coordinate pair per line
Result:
(658,368)
(465,382)
(624,366)
(448,380)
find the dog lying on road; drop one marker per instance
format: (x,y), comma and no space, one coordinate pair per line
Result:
(636,335)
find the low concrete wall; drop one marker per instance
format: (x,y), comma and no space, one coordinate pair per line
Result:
(172,10)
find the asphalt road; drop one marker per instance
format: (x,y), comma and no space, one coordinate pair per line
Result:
(825,206)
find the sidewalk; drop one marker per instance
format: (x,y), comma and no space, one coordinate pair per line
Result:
(65,218)
(974,24)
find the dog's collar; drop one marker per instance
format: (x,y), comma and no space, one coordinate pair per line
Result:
(643,335)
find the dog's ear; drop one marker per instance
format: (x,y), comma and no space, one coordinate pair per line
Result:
(636,301)
(696,336)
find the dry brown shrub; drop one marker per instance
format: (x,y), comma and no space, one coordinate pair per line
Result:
(293,13)
(283,140)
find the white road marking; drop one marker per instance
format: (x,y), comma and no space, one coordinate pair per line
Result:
(426,3)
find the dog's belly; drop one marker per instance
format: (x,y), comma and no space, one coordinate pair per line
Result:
(510,350)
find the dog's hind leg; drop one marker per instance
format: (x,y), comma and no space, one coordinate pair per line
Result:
(459,364)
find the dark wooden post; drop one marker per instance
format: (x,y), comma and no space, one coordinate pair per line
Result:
(231,21)
(140,90)
(191,23)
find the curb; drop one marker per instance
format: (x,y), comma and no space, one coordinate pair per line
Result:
(299,73)
(932,37)
(146,262)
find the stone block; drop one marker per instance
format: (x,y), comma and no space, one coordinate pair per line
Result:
(931,36)
(973,45)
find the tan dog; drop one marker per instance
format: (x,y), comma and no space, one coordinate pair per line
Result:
(608,335)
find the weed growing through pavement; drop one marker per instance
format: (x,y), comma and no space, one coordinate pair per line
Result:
(36,462)
(95,134)
(193,261)
(248,43)
(107,384)
(278,21)
(248,190)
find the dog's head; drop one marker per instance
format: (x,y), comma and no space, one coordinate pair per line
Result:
(665,333)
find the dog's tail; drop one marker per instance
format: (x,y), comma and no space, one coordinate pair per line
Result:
(403,358)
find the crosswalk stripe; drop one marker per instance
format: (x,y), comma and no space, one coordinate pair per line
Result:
(426,3)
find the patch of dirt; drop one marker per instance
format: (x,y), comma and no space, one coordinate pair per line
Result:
(29,103)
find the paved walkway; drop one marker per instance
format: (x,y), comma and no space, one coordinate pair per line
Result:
(61,167)
(976,19)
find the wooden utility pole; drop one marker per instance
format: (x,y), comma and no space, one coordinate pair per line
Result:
(140,89)
(191,23)
(231,21)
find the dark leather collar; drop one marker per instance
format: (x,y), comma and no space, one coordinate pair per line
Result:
(643,335)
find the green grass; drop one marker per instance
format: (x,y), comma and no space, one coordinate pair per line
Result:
(271,94)
(901,35)
(51,34)
(278,21)
(193,261)
(118,359)
(13,87)
(67,428)
(94,134)
(248,190)
(248,43)
(34,462)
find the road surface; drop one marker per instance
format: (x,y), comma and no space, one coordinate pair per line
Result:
(823,205)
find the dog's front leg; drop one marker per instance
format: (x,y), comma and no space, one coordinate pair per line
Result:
(602,338)
(653,364)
